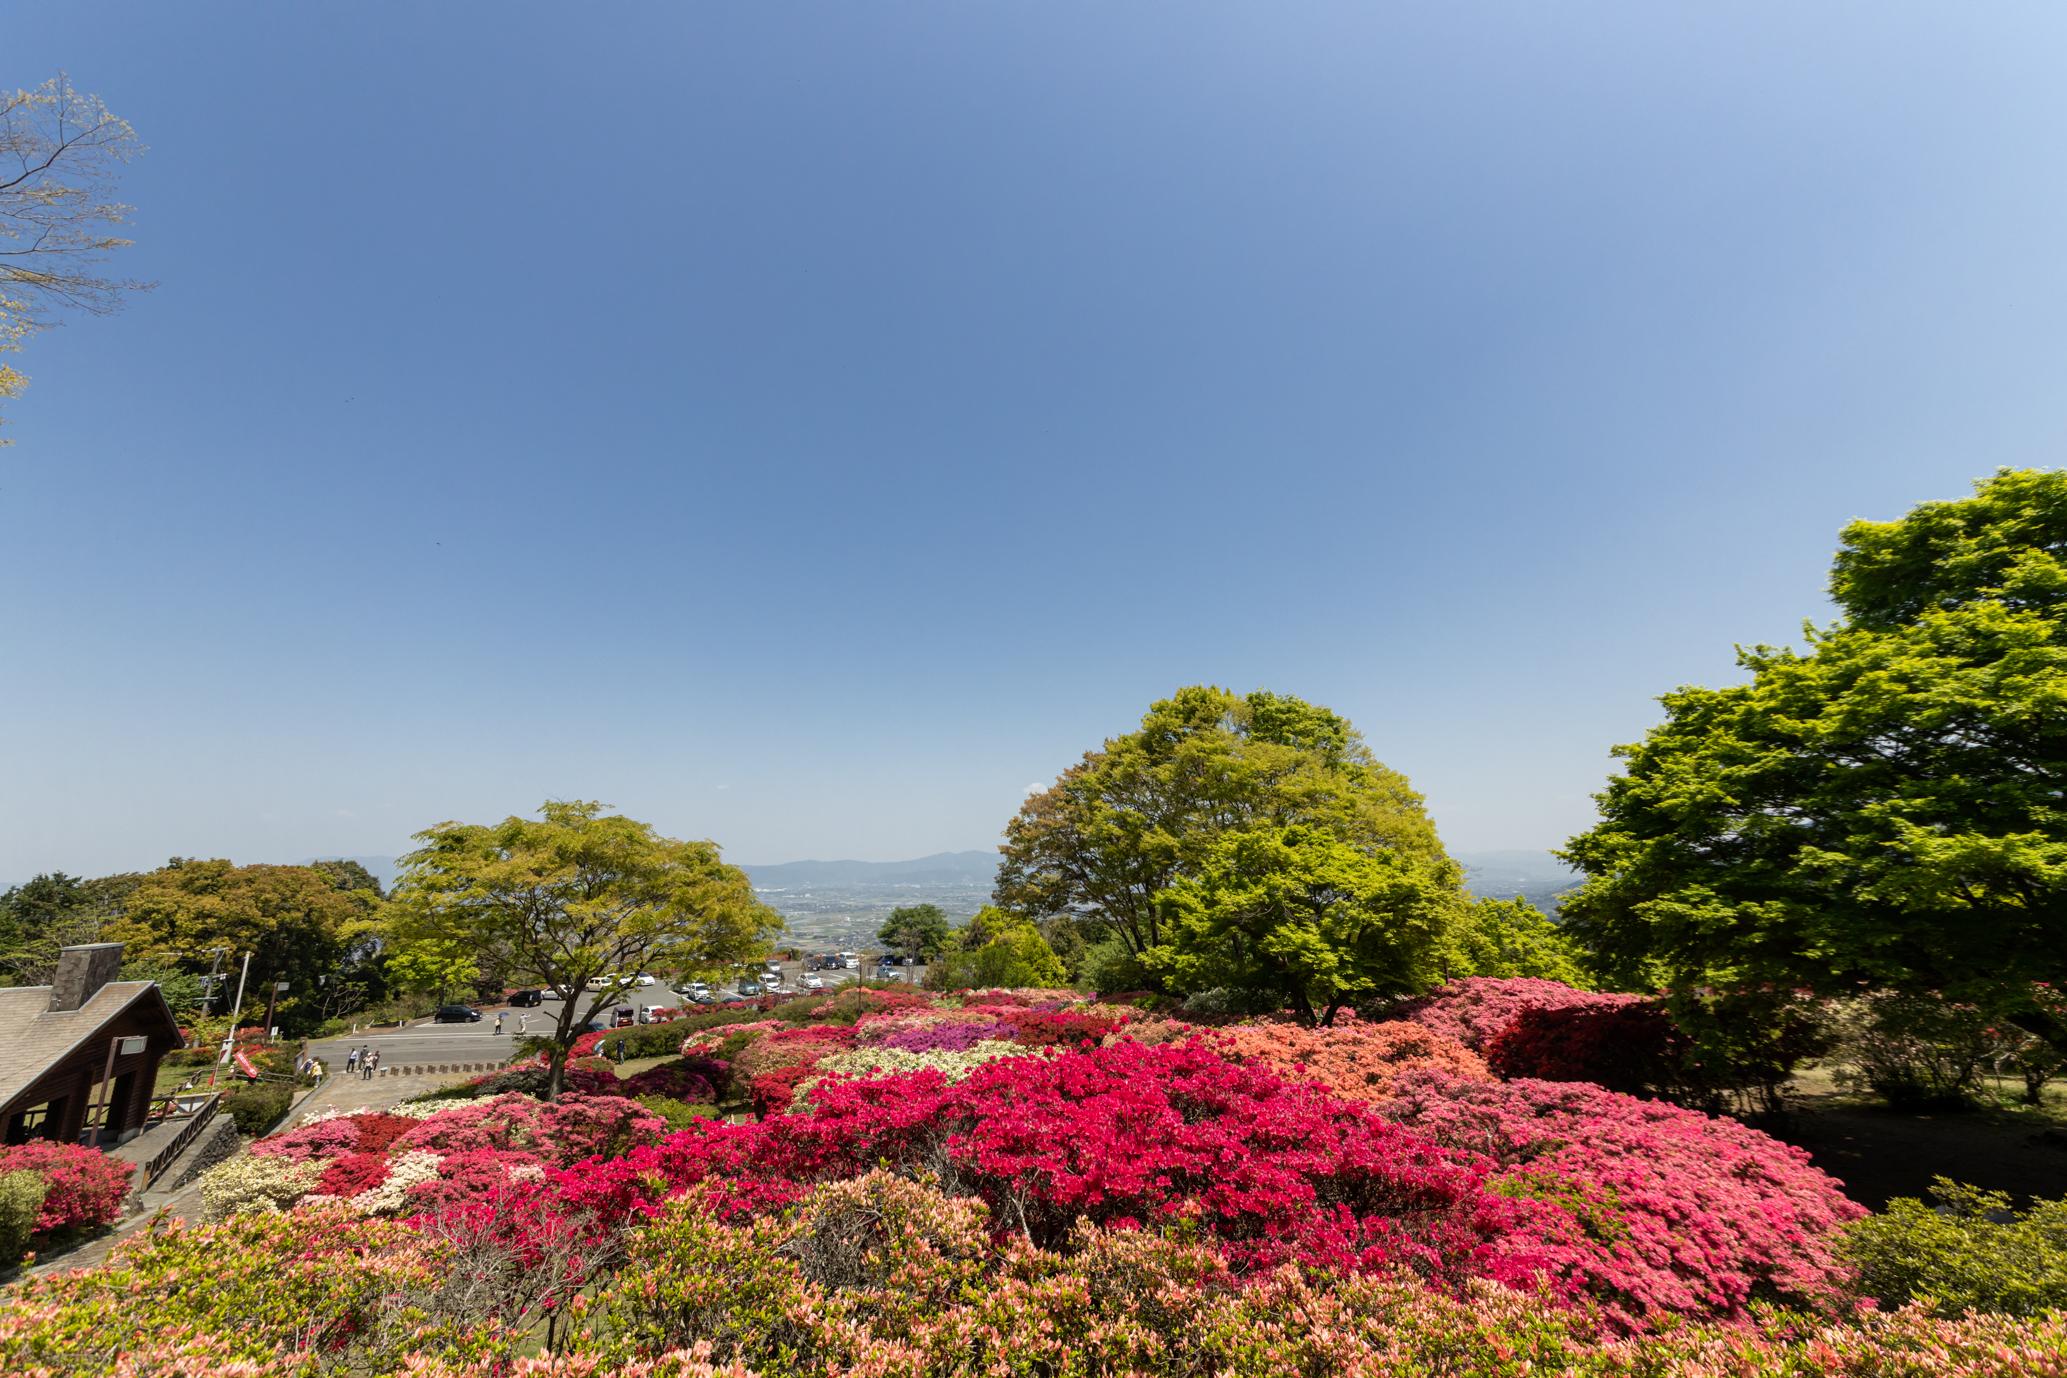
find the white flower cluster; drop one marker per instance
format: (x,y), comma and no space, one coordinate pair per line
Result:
(265,1185)
(871,1061)
(404,1172)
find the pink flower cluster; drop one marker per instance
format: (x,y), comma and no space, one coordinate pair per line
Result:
(385,1162)
(1477,1009)
(1683,1213)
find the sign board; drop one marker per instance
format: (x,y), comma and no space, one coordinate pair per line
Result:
(125,1047)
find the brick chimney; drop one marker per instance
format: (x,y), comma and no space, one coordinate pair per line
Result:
(81,972)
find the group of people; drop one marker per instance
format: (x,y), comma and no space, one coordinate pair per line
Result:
(364,1061)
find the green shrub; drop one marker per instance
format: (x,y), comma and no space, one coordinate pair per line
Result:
(1913,1050)
(1969,1251)
(678,1114)
(21,1197)
(258,1106)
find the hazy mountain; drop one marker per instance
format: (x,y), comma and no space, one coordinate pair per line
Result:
(1537,877)
(942,868)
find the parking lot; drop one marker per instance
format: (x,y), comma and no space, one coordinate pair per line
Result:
(425,1040)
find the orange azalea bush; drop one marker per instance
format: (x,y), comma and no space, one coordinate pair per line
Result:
(1352,1059)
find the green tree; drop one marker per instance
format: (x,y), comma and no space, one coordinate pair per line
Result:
(298,926)
(1142,813)
(1512,937)
(918,931)
(51,911)
(60,153)
(1296,916)
(573,896)
(1883,807)
(996,949)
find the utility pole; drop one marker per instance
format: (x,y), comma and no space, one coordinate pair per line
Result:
(230,1038)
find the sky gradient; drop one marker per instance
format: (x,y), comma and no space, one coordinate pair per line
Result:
(808,426)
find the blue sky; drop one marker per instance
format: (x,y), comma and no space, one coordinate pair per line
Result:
(806,426)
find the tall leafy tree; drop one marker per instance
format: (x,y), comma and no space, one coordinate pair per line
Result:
(573,896)
(918,931)
(1296,916)
(996,949)
(1882,806)
(295,921)
(1141,813)
(52,911)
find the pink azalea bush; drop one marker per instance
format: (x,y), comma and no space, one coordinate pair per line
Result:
(1353,1058)
(1683,1213)
(83,1187)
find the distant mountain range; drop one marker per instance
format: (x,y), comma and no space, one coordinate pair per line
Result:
(941,868)
(1538,876)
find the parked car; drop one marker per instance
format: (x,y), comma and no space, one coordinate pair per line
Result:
(814,981)
(643,979)
(749,989)
(527,998)
(456,1014)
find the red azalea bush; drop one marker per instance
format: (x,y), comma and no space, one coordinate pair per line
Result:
(475,1175)
(1685,1214)
(1061,1028)
(1351,1058)
(82,1186)
(352,1174)
(1477,1009)
(772,1092)
(1630,1046)
(792,1048)
(1129,1136)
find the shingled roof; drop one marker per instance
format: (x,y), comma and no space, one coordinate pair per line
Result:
(34,1038)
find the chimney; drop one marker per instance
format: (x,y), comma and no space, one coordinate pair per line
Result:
(81,972)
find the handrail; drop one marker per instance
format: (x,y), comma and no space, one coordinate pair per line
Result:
(166,1156)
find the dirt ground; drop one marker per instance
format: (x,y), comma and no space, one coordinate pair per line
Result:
(1880,1153)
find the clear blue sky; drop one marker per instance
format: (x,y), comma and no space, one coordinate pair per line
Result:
(806,426)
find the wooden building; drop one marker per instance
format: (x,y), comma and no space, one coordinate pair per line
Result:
(79,1057)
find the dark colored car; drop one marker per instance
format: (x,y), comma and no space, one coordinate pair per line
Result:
(527,998)
(456,1014)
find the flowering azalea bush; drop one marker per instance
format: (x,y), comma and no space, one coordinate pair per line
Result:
(1352,1058)
(82,1187)
(1627,1045)
(1477,1009)
(1683,1213)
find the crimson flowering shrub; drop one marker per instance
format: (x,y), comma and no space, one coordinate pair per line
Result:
(1038,1028)
(1631,1046)
(82,1186)
(772,1092)
(1130,1136)
(474,1175)
(1353,1059)
(1477,1009)
(353,1173)
(792,1048)
(1684,1214)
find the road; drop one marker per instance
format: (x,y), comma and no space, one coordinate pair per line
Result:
(424,1041)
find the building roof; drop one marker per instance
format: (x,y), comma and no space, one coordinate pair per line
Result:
(34,1038)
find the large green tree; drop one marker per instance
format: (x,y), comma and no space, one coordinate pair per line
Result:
(1143,811)
(573,896)
(1884,806)
(918,931)
(297,922)
(51,911)
(996,950)
(1296,916)
(1250,842)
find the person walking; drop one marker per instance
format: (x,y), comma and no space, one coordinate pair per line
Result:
(376,1059)
(351,1062)
(523,1024)
(498,1022)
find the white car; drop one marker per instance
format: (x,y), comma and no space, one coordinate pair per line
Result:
(643,979)
(813,981)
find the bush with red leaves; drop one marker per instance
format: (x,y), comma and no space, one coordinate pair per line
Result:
(82,1186)
(1631,1046)
(1477,1009)
(692,1079)
(1128,1136)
